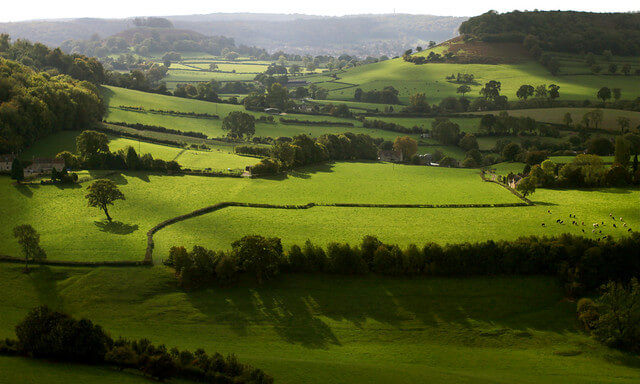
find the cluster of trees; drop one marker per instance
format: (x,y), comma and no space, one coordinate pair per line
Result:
(445,131)
(614,317)
(53,61)
(561,31)
(462,78)
(582,264)
(253,150)
(35,104)
(583,171)
(302,150)
(277,96)
(541,91)
(590,60)
(92,152)
(146,77)
(504,124)
(432,57)
(238,124)
(388,95)
(48,334)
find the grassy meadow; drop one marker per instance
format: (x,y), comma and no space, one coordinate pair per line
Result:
(430,79)
(300,328)
(72,231)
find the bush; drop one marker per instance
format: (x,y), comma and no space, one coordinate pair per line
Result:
(587,313)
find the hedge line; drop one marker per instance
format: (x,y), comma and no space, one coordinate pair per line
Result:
(155,128)
(17,260)
(323,123)
(169,112)
(136,136)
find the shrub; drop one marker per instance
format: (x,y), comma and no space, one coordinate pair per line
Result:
(587,313)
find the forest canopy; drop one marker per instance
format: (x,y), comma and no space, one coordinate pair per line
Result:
(34,104)
(561,31)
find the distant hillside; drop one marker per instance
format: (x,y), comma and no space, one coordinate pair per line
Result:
(561,31)
(361,35)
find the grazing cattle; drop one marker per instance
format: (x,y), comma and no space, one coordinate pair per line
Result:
(614,226)
(629,230)
(583,231)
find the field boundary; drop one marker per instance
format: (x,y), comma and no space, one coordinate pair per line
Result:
(148,257)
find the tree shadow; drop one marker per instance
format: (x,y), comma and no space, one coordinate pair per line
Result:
(107,94)
(68,186)
(44,281)
(307,172)
(624,358)
(544,203)
(25,190)
(116,227)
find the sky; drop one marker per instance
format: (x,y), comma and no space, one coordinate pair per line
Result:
(48,9)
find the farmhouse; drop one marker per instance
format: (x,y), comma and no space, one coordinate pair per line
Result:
(43,165)
(5,162)
(390,156)
(513,180)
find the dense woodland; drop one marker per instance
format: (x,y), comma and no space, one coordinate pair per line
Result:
(35,104)
(561,31)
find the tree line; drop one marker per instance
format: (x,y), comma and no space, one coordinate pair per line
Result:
(582,264)
(48,334)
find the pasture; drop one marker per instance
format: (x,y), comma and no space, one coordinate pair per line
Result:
(302,328)
(430,79)
(117,97)
(72,231)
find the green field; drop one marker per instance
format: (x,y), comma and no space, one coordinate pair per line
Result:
(409,78)
(117,97)
(75,232)
(302,328)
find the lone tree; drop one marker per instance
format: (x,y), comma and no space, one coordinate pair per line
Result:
(103,192)
(89,143)
(604,94)
(406,145)
(526,186)
(29,240)
(17,171)
(238,124)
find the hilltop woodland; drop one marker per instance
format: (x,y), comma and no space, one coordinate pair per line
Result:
(62,96)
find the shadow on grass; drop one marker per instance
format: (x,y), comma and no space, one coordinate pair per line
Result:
(544,203)
(68,186)
(116,227)
(624,358)
(296,306)
(44,281)
(25,190)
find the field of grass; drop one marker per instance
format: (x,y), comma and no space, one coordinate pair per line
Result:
(73,232)
(30,371)
(303,329)
(409,78)
(213,128)
(77,231)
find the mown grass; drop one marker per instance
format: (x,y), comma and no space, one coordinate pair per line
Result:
(303,328)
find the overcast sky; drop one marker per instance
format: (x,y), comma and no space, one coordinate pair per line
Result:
(50,9)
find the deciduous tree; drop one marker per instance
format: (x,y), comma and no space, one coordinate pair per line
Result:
(102,193)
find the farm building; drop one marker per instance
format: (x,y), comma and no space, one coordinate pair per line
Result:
(5,162)
(273,111)
(297,83)
(390,156)
(513,180)
(42,165)
(424,159)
